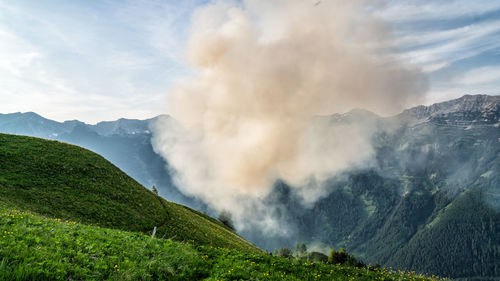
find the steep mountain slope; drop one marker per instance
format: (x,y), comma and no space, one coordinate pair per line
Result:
(454,164)
(68,182)
(431,202)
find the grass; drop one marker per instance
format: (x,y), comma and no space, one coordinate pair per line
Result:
(34,247)
(185,224)
(68,214)
(68,182)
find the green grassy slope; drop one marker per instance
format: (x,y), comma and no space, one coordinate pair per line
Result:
(185,224)
(68,182)
(33,247)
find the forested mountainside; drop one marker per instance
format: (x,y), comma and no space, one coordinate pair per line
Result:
(430,203)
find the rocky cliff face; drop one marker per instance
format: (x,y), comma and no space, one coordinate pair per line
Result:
(467,110)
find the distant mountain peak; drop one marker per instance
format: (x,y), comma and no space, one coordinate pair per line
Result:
(359,112)
(475,103)
(484,104)
(29,114)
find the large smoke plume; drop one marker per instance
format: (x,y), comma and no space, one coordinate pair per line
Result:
(262,71)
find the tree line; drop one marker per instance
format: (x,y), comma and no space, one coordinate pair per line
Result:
(334,257)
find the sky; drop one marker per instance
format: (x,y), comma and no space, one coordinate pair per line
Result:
(104,60)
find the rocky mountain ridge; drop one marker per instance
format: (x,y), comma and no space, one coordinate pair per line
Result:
(467,110)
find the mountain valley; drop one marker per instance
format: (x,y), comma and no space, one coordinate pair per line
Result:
(429,202)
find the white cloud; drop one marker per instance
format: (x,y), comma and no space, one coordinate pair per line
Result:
(442,48)
(91,61)
(15,53)
(425,10)
(436,34)
(480,76)
(480,80)
(163,23)
(440,35)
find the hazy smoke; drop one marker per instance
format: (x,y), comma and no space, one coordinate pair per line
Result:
(263,70)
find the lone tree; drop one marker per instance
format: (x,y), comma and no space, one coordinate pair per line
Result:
(154,190)
(303,248)
(226,219)
(300,250)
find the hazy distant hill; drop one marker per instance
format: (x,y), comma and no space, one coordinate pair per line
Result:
(431,203)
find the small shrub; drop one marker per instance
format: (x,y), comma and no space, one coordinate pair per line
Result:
(342,257)
(226,219)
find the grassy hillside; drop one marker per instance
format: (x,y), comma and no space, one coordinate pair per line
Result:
(67,182)
(50,192)
(33,247)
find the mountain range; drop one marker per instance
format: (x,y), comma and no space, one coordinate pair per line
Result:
(429,203)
